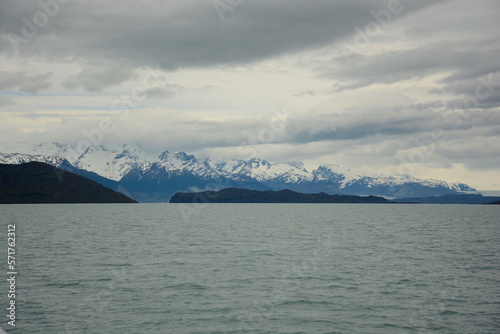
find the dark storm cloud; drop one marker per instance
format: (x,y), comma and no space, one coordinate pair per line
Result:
(478,59)
(480,92)
(175,34)
(403,121)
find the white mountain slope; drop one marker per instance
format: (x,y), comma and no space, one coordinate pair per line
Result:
(130,161)
(111,163)
(21,158)
(332,172)
(181,162)
(262,170)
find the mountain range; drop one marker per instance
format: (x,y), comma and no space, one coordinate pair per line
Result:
(157,176)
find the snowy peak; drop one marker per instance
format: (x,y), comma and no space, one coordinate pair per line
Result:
(182,156)
(228,167)
(164,155)
(333,172)
(181,162)
(112,163)
(21,158)
(132,163)
(461,187)
(264,171)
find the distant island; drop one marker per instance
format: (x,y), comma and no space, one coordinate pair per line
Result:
(37,182)
(452,199)
(238,195)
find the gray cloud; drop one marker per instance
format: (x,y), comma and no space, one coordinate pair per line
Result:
(95,78)
(112,41)
(5,102)
(165,92)
(400,128)
(24,81)
(174,34)
(402,121)
(480,58)
(478,92)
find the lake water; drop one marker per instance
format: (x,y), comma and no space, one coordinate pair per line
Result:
(254,268)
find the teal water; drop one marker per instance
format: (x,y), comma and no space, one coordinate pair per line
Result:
(254,268)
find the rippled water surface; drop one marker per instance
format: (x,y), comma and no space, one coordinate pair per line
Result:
(254,268)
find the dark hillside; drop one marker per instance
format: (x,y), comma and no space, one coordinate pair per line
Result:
(37,182)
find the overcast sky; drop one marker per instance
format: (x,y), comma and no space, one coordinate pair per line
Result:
(381,86)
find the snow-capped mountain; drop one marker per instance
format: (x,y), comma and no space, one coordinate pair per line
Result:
(263,171)
(156,176)
(21,158)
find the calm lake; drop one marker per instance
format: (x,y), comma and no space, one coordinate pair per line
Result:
(253,268)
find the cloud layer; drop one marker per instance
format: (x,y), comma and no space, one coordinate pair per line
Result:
(364,82)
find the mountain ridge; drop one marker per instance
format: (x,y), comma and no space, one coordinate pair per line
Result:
(238,195)
(451,199)
(156,176)
(38,182)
